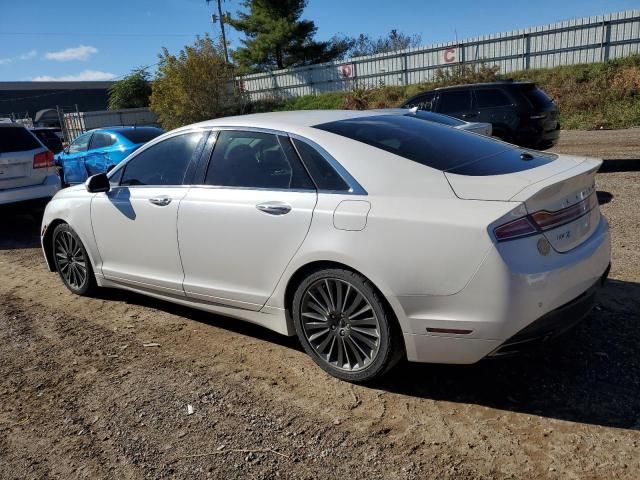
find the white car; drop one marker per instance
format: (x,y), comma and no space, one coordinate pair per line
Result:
(481,128)
(372,236)
(27,169)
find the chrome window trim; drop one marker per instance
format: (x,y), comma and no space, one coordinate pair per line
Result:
(354,187)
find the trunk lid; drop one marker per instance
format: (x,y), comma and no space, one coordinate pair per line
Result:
(563,187)
(17,149)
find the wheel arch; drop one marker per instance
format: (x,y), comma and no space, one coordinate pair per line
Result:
(47,243)
(307,269)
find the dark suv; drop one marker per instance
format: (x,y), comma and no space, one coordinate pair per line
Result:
(520,112)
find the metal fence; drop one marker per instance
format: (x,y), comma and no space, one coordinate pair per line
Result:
(581,40)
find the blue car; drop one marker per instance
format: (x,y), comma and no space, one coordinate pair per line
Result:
(99,150)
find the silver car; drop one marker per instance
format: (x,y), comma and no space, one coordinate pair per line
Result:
(27,171)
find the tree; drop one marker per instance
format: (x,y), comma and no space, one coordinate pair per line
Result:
(195,85)
(133,91)
(277,38)
(364,45)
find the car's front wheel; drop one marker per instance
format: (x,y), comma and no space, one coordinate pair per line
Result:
(343,325)
(71,261)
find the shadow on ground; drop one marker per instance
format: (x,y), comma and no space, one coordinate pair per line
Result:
(590,375)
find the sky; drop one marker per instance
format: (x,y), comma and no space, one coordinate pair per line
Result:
(91,40)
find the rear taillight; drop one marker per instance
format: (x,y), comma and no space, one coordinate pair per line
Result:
(544,220)
(43,159)
(521,227)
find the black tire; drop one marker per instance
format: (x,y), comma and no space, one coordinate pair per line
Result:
(342,325)
(71,261)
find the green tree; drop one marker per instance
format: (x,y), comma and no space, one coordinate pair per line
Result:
(133,91)
(195,85)
(276,37)
(364,45)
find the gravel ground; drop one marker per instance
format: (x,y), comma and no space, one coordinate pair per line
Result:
(609,144)
(82,397)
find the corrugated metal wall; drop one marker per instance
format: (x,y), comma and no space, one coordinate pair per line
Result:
(581,40)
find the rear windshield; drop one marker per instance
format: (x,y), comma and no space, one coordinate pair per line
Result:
(537,98)
(141,135)
(17,139)
(436,117)
(437,146)
(45,135)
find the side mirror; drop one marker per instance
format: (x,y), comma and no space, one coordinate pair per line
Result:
(97,183)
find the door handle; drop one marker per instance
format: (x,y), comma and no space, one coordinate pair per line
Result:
(160,201)
(274,208)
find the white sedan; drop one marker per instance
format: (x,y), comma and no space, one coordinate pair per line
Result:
(371,236)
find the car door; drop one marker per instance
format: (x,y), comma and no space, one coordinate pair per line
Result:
(240,228)
(495,107)
(456,103)
(73,159)
(97,159)
(135,222)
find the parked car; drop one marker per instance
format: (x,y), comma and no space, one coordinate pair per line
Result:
(475,127)
(371,236)
(27,171)
(520,112)
(99,150)
(49,138)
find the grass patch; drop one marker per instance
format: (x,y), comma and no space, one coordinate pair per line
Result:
(598,95)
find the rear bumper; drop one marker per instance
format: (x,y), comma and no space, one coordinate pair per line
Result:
(554,323)
(45,190)
(513,288)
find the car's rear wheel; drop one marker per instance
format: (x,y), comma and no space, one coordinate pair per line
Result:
(71,261)
(343,325)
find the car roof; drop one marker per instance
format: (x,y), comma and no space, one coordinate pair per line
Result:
(290,121)
(500,83)
(121,129)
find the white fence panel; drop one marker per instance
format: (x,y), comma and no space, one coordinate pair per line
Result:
(580,40)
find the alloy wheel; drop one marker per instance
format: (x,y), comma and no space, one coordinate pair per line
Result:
(70,259)
(340,324)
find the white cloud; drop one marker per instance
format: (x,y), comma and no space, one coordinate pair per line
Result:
(24,56)
(86,75)
(82,52)
(29,55)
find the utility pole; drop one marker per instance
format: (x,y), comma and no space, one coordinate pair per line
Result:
(221,17)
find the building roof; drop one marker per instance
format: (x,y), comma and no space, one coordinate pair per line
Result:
(55,85)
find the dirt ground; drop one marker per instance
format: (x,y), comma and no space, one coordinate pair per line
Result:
(82,397)
(609,144)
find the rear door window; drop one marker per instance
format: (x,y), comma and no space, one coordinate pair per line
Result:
(436,146)
(536,97)
(17,139)
(454,102)
(256,160)
(491,97)
(101,140)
